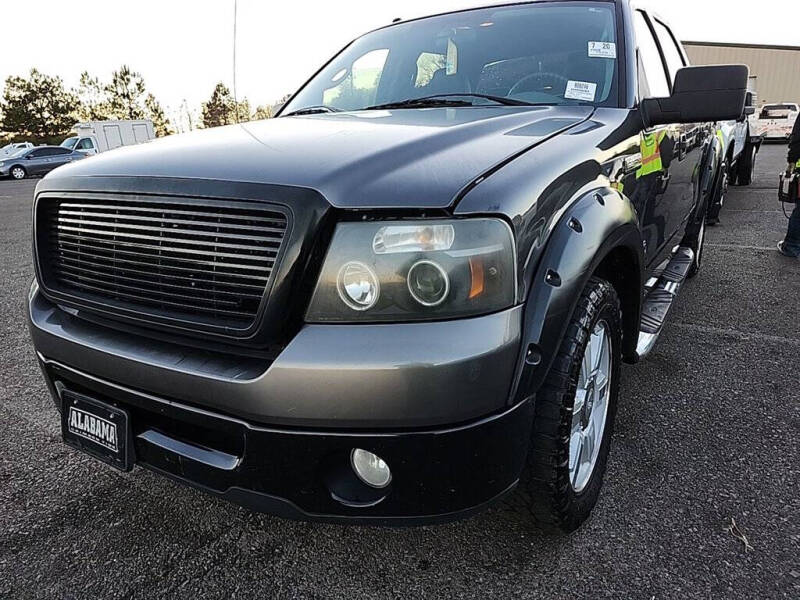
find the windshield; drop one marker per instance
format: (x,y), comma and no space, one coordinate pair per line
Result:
(554,53)
(17,152)
(69,143)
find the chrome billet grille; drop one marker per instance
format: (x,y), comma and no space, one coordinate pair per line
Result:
(206,263)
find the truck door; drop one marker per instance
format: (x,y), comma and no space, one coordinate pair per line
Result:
(654,193)
(86,145)
(692,140)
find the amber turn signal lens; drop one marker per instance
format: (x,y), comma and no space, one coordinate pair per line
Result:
(476,272)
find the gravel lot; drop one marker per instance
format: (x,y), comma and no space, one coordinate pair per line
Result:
(707,431)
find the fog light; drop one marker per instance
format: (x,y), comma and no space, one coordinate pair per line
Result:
(428,283)
(370,468)
(358,286)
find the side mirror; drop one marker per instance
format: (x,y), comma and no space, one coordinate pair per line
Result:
(749,104)
(701,94)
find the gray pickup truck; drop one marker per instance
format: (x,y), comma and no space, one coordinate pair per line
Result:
(407,296)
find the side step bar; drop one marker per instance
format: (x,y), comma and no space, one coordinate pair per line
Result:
(659,300)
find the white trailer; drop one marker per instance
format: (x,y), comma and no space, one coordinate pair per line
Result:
(99,136)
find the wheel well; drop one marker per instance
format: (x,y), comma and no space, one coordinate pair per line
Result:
(621,269)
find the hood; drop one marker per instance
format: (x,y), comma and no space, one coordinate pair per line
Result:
(412,158)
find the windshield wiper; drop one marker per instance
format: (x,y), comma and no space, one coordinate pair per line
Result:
(313,110)
(428,102)
(448,100)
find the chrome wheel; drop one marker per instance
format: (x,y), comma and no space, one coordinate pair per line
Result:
(18,173)
(590,407)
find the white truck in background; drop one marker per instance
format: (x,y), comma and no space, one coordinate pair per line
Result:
(741,143)
(775,121)
(99,136)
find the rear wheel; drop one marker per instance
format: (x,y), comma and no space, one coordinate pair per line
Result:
(575,415)
(18,172)
(746,165)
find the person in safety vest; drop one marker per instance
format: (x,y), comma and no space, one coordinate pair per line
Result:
(650,146)
(790,246)
(657,149)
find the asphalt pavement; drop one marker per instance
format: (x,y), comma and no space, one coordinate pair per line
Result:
(706,435)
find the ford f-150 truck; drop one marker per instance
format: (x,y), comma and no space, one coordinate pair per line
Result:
(407,296)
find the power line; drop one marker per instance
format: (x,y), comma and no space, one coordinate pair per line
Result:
(235,97)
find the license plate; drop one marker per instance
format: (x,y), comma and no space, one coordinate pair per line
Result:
(97,428)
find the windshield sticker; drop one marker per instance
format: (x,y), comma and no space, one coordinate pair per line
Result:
(580,90)
(452,58)
(602,50)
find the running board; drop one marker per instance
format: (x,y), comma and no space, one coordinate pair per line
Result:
(659,300)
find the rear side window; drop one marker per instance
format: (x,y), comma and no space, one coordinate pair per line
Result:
(651,67)
(57,151)
(670,48)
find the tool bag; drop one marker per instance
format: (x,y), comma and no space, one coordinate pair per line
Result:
(789,189)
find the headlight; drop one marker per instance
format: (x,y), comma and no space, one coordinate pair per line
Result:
(415,270)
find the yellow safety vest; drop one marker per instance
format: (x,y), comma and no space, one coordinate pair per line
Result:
(798,164)
(721,138)
(651,153)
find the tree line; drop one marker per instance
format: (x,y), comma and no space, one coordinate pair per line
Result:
(41,109)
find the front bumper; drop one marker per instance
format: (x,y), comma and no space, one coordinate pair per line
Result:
(430,399)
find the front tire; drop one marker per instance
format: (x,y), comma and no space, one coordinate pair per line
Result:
(574,417)
(18,173)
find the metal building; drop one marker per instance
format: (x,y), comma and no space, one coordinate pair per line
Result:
(775,69)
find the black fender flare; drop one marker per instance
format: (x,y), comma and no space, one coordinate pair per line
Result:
(597,224)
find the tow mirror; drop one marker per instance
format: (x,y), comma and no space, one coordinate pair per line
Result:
(749,104)
(701,94)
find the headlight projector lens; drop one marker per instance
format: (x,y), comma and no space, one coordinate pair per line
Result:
(428,283)
(358,286)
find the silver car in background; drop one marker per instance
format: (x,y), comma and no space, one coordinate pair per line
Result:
(39,160)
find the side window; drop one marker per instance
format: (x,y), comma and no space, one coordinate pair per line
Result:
(650,59)
(671,52)
(59,151)
(358,86)
(84,144)
(39,153)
